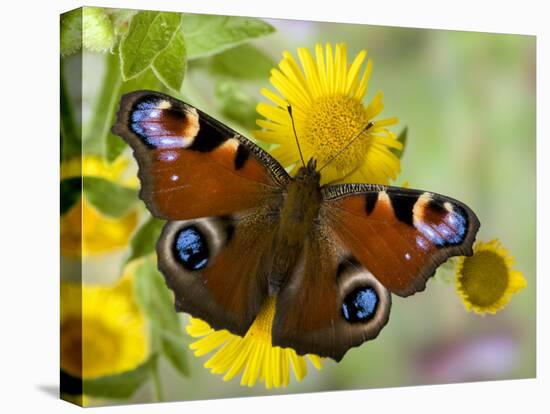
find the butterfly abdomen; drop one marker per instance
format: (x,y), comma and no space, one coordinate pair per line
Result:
(298,214)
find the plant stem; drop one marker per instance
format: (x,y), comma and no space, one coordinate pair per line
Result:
(157,384)
(158,394)
(70,134)
(104,109)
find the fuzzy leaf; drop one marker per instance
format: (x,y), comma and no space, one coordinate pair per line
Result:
(171,63)
(71,32)
(121,19)
(149,34)
(120,385)
(243,62)
(98,32)
(206,35)
(108,197)
(145,239)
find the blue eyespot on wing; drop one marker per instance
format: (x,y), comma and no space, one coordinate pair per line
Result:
(360,305)
(191,248)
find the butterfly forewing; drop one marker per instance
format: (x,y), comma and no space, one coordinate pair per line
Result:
(191,165)
(400,235)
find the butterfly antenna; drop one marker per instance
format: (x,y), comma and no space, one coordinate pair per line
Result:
(289,109)
(369,126)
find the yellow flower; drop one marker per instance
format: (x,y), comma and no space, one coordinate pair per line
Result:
(326,97)
(253,354)
(486,281)
(85,230)
(102,330)
(94,166)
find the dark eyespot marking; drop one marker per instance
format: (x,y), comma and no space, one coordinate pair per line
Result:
(242,155)
(371,198)
(191,248)
(403,206)
(348,262)
(360,305)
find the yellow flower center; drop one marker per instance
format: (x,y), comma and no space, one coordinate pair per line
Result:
(331,123)
(261,328)
(484,278)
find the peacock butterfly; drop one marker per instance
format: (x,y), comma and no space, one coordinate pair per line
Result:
(240,229)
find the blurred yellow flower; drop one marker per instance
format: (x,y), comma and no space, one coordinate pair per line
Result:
(326,97)
(254,355)
(486,281)
(102,330)
(85,230)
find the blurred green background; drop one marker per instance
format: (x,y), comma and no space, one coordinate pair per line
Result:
(468,100)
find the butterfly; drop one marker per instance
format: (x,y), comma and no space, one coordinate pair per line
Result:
(240,229)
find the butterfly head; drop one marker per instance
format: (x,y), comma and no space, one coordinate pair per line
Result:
(309,173)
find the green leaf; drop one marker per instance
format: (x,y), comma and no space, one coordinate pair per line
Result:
(108,197)
(145,239)
(170,65)
(236,104)
(105,106)
(402,138)
(156,301)
(114,147)
(243,62)
(149,34)
(70,190)
(71,32)
(174,349)
(120,385)
(98,30)
(206,35)
(154,298)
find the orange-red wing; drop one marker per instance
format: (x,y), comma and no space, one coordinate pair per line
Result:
(191,165)
(400,235)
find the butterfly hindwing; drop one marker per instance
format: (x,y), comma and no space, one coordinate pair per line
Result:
(400,235)
(191,165)
(213,265)
(331,303)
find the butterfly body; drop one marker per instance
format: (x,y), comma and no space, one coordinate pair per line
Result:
(240,230)
(295,224)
